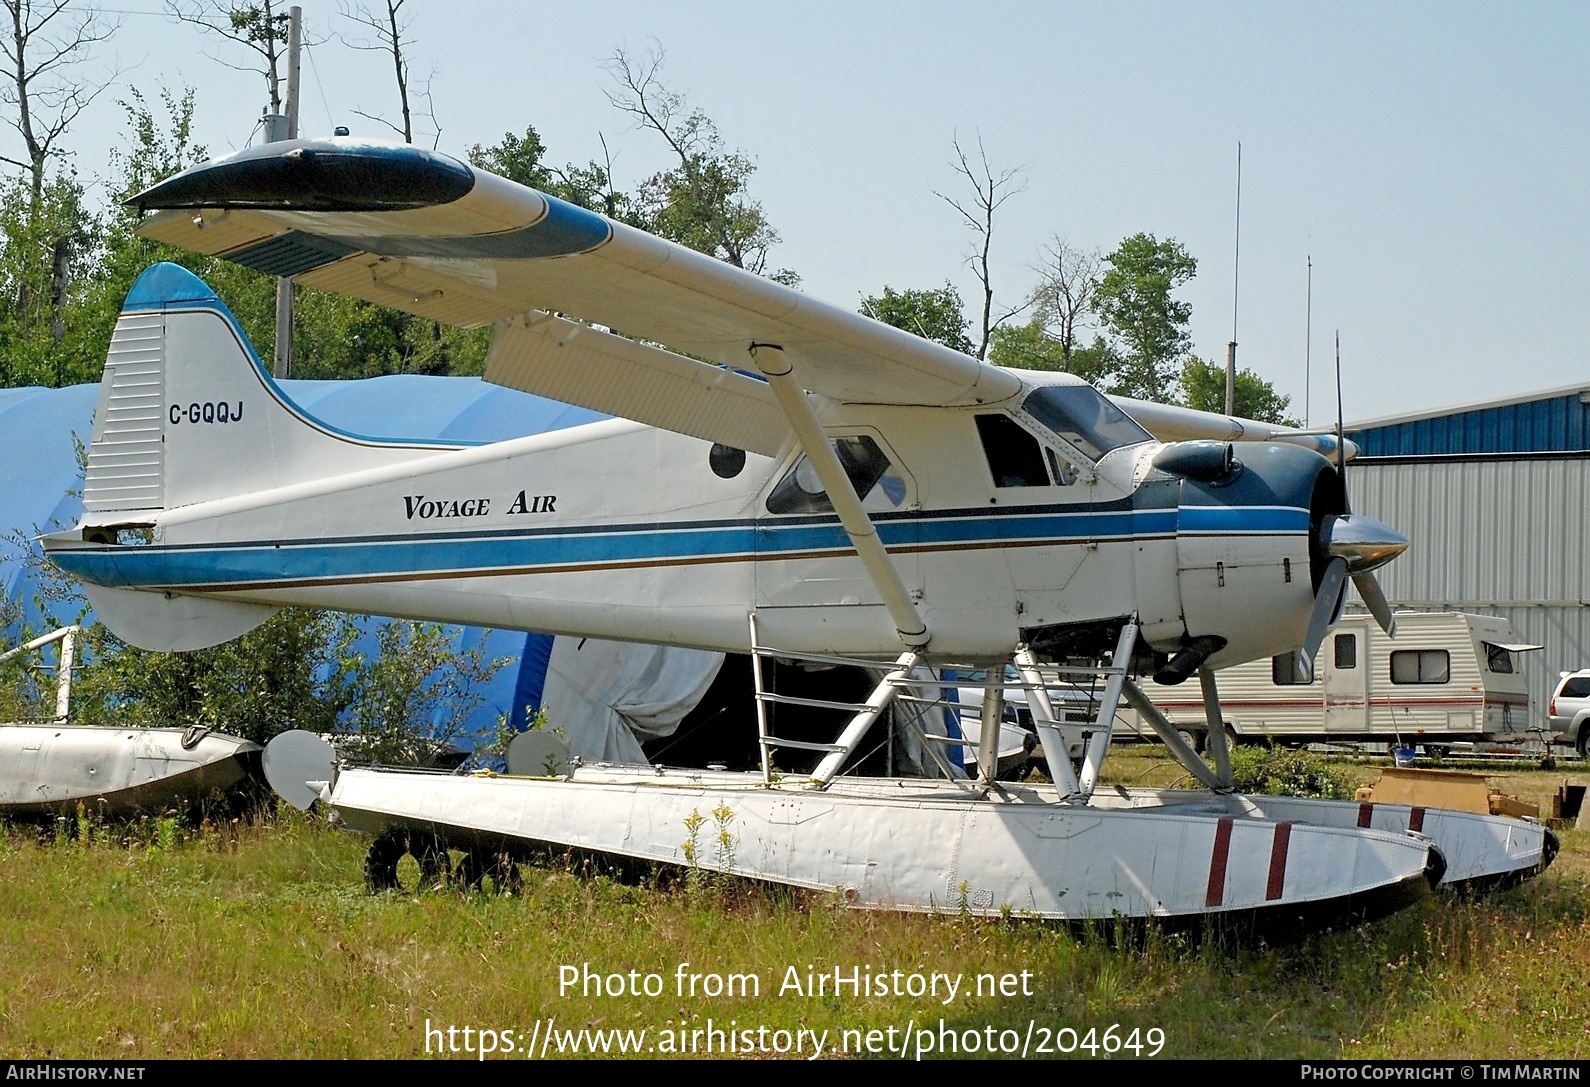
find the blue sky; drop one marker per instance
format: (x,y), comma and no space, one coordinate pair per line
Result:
(1431,158)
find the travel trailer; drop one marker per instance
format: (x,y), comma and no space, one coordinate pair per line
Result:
(1446,678)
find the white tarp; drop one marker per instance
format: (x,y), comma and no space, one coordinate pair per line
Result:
(611,697)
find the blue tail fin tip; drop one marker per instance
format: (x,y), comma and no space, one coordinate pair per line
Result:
(165,283)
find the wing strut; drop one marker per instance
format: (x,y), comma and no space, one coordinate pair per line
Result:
(1171,737)
(1215,743)
(1055,753)
(778,370)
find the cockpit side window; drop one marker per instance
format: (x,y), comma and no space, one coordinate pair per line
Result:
(1014,456)
(878,484)
(1085,418)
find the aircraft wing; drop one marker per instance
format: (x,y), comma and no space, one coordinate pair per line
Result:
(418,231)
(1172,423)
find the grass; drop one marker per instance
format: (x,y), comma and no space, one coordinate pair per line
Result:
(259,940)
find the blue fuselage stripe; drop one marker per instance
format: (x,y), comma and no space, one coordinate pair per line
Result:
(474,554)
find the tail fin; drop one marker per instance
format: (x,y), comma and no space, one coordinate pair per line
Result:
(187,413)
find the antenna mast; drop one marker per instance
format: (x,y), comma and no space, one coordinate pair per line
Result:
(1308,337)
(1231,348)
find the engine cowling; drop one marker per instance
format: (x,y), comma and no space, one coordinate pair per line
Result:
(1257,545)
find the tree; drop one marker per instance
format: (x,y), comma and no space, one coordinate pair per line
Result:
(1204,385)
(49,231)
(936,315)
(260,29)
(990,190)
(517,158)
(112,254)
(1062,302)
(702,202)
(42,46)
(1030,346)
(1134,302)
(45,239)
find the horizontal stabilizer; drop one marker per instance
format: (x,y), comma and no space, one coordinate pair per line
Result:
(167,624)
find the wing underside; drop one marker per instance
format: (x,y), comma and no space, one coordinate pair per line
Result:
(586,310)
(327,214)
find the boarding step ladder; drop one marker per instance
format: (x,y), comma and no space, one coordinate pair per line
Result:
(1089,693)
(1068,705)
(862,714)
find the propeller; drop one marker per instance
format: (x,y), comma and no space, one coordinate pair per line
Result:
(1348,546)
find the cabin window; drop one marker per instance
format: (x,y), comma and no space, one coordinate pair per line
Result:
(1498,659)
(873,477)
(1421,666)
(1063,473)
(1346,650)
(1014,456)
(1082,416)
(726,461)
(1284,671)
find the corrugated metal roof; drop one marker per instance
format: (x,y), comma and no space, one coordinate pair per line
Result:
(1552,421)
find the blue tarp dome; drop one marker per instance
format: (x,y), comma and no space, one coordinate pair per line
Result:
(41,478)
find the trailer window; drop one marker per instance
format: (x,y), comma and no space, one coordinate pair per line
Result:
(1346,650)
(1284,671)
(1498,659)
(1421,666)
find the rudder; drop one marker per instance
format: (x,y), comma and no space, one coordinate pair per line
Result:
(187,412)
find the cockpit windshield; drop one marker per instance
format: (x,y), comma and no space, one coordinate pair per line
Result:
(1083,417)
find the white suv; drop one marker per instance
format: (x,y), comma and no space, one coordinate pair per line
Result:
(1570,711)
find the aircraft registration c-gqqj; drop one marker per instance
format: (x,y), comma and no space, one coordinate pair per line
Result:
(781,474)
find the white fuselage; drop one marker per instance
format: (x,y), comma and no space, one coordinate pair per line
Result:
(617,530)
(1005,526)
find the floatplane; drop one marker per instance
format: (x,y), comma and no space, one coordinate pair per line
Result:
(781,477)
(55,767)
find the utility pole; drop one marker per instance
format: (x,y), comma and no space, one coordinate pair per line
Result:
(284,284)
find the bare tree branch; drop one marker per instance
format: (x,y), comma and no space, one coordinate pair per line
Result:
(41,44)
(261,28)
(990,190)
(390,27)
(1068,277)
(702,202)
(640,94)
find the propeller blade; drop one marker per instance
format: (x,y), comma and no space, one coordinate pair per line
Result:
(1375,601)
(1326,600)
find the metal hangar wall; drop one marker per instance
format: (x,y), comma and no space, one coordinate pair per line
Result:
(1493,497)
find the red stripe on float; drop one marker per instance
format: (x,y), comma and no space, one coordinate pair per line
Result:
(1416,820)
(1366,814)
(1278,846)
(1216,894)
